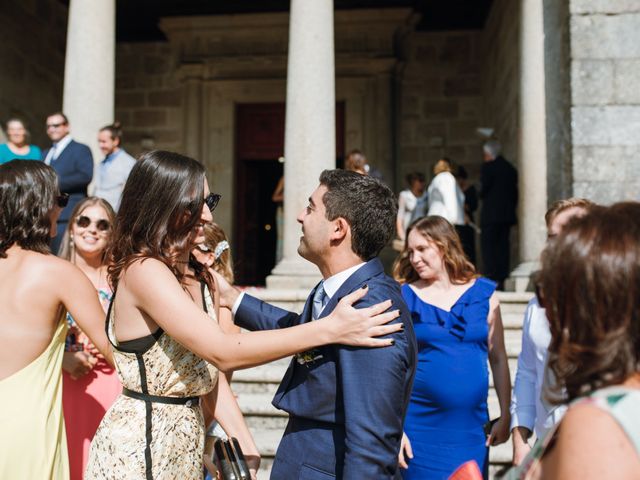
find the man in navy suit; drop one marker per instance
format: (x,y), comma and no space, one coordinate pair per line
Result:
(73,163)
(346,405)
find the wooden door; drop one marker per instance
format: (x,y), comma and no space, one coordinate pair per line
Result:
(259,145)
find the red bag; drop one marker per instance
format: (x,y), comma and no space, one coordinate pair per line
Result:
(467,471)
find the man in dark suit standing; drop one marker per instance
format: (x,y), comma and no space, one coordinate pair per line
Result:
(346,405)
(499,196)
(73,163)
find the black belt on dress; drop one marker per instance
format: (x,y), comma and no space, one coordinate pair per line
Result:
(147,397)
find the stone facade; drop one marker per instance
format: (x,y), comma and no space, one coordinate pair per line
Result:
(440,107)
(148,97)
(500,70)
(33,35)
(605,99)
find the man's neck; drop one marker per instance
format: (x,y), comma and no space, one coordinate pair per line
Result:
(63,139)
(338,262)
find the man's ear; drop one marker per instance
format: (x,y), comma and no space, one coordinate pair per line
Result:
(340,229)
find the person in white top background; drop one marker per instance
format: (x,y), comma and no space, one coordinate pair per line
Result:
(445,196)
(412,203)
(530,413)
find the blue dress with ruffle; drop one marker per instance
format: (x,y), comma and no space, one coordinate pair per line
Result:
(448,405)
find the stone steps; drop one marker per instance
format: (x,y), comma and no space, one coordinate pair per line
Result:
(256,386)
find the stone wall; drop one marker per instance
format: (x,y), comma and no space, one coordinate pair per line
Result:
(500,69)
(605,98)
(440,102)
(33,35)
(148,98)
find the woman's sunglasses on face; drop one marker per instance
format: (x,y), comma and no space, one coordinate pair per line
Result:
(102,225)
(212,200)
(62,200)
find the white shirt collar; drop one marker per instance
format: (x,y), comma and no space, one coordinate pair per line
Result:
(334,282)
(62,143)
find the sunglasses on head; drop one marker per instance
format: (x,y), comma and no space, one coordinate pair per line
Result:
(62,200)
(102,225)
(212,201)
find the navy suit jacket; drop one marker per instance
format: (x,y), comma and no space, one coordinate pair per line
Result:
(346,407)
(74,167)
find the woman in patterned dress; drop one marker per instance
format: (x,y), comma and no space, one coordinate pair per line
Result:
(165,345)
(90,384)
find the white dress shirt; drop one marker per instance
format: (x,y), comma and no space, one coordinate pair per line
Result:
(446,199)
(57,148)
(528,408)
(331,285)
(411,207)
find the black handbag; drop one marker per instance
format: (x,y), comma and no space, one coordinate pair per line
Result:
(228,457)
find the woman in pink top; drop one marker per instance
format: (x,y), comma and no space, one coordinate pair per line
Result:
(90,385)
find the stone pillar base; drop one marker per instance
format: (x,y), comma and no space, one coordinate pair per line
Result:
(294,274)
(521,279)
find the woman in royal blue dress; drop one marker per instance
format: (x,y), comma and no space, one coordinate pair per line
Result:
(456,316)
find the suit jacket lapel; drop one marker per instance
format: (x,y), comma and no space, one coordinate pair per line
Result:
(370,269)
(305,316)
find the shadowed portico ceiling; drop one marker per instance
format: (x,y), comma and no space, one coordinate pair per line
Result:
(137,20)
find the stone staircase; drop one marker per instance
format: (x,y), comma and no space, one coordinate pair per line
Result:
(255,387)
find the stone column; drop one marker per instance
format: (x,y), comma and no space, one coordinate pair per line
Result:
(532,143)
(310,143)
(89,72)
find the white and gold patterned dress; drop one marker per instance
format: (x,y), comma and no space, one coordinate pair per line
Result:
(155,429)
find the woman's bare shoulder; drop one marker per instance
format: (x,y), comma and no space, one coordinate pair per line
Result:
(146,274)
(592,443)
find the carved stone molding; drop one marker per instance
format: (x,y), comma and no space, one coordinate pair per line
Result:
(255,45)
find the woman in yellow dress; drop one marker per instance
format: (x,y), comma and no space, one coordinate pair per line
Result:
(36,288)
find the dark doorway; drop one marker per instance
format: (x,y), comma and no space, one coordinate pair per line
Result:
(259,145)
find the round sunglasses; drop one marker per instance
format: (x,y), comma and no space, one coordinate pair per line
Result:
(102,225)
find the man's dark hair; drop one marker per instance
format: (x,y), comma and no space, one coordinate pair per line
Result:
(368,206)
(64,117)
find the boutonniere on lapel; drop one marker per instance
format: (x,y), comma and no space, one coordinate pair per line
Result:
(308,357)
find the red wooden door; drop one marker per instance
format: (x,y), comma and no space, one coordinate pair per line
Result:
(259,145)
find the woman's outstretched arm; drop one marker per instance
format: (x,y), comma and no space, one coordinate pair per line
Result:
(156,292)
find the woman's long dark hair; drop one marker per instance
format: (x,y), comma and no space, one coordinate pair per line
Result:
(161,204)
(590,285)
(28,191)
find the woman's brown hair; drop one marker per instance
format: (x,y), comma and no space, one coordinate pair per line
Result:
(161,203)
(214,237)
(590,283)
(67,249)
(28,191)
(438,230)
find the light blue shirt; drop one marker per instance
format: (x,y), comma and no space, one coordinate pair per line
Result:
(113,172)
